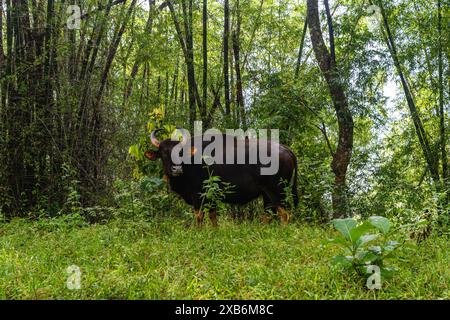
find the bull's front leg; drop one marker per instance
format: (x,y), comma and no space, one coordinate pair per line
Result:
(213,218)
(199,217)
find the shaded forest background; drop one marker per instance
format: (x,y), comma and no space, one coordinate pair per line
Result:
(358,89)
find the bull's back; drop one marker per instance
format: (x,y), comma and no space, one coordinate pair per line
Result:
(242,181)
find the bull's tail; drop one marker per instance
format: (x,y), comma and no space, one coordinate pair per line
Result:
(294,183)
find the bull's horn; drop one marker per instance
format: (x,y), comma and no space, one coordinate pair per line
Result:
(155,141)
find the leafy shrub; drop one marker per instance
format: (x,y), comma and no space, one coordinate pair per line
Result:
(64,222)
(144,198)
(214,192)
(72,203)
(365,244)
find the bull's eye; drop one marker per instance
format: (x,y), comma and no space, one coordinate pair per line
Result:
(176,170)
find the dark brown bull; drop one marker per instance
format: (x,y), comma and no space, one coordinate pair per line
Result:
(246,179)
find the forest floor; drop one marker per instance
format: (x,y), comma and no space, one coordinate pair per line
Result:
(126,259)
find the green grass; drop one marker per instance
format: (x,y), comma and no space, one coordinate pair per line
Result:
(164,259)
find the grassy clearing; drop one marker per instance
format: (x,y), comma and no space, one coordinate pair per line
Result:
(127,259)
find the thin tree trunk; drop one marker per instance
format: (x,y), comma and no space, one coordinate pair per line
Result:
(176,81)
(234,111)
(226,31)
(300,50)
(2,87)
(182,92)
(330,31)
(85,77)
(166,94)
(205,56)
(443,135)
(113,50)
(430,158)
(237,64)
(174,88)
(2,53)
(187,14)
(187,46)
(158,90)
(135,69)
(97,146)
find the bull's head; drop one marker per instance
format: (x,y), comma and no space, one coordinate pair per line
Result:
(164,152)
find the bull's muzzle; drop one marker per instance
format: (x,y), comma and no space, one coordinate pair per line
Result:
(176,171)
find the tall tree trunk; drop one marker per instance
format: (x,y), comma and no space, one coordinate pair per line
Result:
(135,69)
(234,111)
(442,130)
(166,94)
(2,74)
(343,153)
(174,89)
(2,86)
(205,56)
(113,50)
(226,32)
(2,53)
(86,74)
(47,104)
(97,120)
(87,118)
(158,90)
(193,97)
(21,112)
(187,46)
(237,64)
(300,50)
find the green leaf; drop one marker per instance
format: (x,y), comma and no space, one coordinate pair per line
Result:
(381,223)
(367,256)
(387,272)
(338,240)
(134,152)
(151,184)
(357,232)
(345,261)
(344,226)
(375,249)
(367,238)
(169,128)
(391,245)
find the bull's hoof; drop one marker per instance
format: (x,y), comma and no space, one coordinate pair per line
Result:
(265,219)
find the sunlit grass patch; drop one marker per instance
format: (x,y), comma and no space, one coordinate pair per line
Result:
(164,259)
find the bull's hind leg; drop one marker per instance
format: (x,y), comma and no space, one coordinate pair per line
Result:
(213,217)
(278,199)
(273,199)
(199,217)
(284,215)
(269,210)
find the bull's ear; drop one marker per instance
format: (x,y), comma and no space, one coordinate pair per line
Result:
(193,150)
(151,155)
